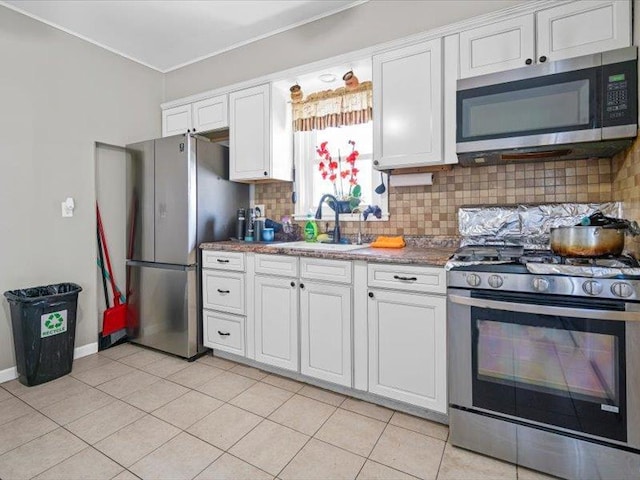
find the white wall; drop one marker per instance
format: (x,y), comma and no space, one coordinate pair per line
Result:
(58,96)
(371,23)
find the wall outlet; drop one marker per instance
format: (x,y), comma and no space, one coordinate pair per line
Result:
(260,211)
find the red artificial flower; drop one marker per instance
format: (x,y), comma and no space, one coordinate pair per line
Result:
(334,169)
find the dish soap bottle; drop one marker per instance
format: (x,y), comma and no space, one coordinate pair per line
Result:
(310,230)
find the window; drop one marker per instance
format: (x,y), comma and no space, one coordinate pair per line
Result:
(311,186)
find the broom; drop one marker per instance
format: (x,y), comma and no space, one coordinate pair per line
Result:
(114,318)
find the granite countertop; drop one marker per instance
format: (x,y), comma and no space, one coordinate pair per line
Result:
(412,254)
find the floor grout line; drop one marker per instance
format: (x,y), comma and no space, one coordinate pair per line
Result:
(305,443)
(263,418)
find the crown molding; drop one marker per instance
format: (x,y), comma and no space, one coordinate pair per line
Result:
(450,29)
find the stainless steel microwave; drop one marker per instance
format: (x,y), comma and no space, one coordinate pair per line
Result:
(577,108)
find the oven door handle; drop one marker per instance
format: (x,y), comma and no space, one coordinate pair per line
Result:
(627,316)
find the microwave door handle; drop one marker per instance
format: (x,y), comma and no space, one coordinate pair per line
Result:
(627,316)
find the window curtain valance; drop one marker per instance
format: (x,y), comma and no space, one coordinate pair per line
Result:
(334,108)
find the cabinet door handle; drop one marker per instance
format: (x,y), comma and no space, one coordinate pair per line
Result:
(223,334)
(223,291)
(376,162)
(220,260)
(528,61)
(370,294)
(406,279)
(265,174)
(293,284)
(543,59)
(302,286)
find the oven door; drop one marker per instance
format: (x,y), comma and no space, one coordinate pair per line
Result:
(557,361)
(554,104)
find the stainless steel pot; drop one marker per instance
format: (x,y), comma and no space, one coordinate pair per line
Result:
(587,241)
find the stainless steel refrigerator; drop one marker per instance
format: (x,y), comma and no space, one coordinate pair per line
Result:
(178,196)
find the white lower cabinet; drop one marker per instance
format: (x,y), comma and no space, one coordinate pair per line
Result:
(224,332)
(276,321)
(313,316)
(325,332)
(223,291)
(407,347)
(223,303)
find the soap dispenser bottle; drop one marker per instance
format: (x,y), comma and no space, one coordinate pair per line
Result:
(310,229)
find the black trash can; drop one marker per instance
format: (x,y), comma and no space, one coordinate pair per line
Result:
(44,330)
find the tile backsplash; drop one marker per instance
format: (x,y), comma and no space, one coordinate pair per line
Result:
(432,210)
(626,188)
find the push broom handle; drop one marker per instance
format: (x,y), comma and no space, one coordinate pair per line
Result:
(116,300)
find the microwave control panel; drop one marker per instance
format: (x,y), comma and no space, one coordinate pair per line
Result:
(620,101)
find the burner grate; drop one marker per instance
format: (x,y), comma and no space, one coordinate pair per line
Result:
(488,253)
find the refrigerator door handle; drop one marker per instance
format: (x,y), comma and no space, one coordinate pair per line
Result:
(165,266)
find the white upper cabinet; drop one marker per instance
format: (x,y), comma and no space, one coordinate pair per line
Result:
(260,137)
(407,106)
(583,28)
(497,47)
(249,133)
(569,30)
(210,114)
(176,120)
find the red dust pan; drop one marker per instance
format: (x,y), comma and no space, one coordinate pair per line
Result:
(114,318)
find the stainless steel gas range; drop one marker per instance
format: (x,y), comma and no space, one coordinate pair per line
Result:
(544,360)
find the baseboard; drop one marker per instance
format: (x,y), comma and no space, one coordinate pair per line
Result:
(83,351)
(8,374)
(79,352)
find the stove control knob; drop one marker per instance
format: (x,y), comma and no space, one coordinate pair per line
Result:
(622,289)
(495,281)
(540,284)
(592,287)
(473,280)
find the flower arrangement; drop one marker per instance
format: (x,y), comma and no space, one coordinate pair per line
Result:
(337,173)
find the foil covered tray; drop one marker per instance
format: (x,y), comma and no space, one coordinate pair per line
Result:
(527,225)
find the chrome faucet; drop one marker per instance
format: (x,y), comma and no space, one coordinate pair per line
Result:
(336,230)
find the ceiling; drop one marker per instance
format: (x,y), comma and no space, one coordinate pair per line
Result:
(169,34)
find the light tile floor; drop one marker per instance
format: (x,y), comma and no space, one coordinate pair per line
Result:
(129,413)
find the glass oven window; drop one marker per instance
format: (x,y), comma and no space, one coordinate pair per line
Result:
(568,372)
(573,364)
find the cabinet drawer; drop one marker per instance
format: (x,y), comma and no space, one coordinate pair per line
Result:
(223,260)
(329,270)
(224,332)
(283,265)
(223,291)
(407,277)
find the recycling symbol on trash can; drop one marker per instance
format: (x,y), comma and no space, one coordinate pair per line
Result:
(54,321)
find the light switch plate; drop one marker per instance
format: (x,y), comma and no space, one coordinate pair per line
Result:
(66,211)
(67,207)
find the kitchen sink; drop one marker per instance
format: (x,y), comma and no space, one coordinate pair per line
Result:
(331,247)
